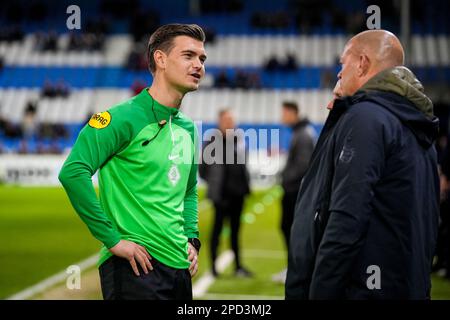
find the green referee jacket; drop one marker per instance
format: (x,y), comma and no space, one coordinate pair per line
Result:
(147,178)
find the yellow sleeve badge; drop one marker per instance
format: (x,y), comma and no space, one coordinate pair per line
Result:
(100,120)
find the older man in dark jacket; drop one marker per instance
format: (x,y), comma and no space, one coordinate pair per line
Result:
(366,218)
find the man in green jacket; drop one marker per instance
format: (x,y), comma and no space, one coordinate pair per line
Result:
(145,151)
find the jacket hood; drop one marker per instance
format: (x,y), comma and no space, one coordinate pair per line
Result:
(402,81)
(398,90)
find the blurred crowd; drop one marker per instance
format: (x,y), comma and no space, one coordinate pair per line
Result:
(33,135)
(44,136)
(86,41)
(241,80)
(54,90)
(276,64)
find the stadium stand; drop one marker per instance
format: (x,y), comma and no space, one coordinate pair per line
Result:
(246,52)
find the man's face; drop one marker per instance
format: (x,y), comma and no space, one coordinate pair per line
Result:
(337,93)
(348,76)
(226,121)
(185,64)
(288,116)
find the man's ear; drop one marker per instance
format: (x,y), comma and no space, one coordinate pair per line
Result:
(363,65)
(160,59)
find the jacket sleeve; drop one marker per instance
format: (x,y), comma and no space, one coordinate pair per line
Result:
(94,146)
(359,155)
(190,212)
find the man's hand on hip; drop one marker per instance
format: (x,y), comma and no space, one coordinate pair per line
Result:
(133,253)
(193,258)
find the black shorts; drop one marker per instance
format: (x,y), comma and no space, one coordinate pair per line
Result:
(119,282)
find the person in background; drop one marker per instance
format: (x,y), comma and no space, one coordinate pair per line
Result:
(228,184)
(300,151)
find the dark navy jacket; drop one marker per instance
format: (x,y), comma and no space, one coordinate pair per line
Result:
(370,198)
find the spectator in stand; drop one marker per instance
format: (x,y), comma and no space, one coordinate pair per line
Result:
(50,41)
(254,81)
(48,90)
(75,42)
(29,123)
(291,63)
(222,80)
(272,64)
(59,131)
(241,80)
(11,130)
(62,89)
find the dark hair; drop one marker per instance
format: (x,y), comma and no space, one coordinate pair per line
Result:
(291,105)
(162,39)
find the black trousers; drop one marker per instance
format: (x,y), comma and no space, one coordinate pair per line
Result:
(287,218)
(231,208)
(119,282)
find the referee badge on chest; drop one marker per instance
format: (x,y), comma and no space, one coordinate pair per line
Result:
(174,174)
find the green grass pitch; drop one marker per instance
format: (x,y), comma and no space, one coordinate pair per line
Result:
(41,235)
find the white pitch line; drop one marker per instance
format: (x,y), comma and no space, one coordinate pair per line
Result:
(201,285)
(52,280)
(61,276)
(199,289)
(229,296)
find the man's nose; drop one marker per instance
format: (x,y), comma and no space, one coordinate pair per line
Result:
(197,64)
